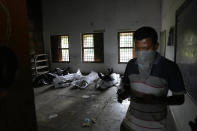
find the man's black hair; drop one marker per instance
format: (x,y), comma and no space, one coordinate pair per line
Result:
(145,32)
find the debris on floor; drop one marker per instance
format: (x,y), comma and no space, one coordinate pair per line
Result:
(75,80)
(84,81)
(47,78)
(93,120)
(62,78)
(88,122)
(61,72)
(107,80)
(85,96)
(53,116)
(60,81)
(79,84)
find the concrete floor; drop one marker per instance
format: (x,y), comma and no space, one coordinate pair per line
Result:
(65,109)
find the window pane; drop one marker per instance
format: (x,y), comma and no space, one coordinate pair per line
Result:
(126,54)
(88,55)
(65,55)
(88,40)
(126,39)
(64,41)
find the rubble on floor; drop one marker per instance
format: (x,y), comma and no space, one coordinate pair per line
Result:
(108,80)
(62,78)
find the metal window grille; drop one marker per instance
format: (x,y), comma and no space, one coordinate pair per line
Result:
(126,51)
(88,48)
(64,47)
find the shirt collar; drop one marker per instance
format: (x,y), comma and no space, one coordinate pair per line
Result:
(158,57)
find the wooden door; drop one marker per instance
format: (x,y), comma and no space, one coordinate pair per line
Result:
(17,109)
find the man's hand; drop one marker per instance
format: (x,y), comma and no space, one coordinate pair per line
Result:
(122,95)
(119,100)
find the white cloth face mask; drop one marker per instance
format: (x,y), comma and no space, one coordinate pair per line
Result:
(145,57)
(145,60)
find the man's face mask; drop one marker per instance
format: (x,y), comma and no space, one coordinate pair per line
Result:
(145,57)
(145,60)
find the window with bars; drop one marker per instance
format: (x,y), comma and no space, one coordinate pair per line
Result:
(60,48)
(125,46)
(92,47)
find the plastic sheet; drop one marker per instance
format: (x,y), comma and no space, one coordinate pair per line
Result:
(75,80)
(64,81)
(85,80)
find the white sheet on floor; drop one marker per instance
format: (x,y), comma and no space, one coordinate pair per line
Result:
(64,81)
(76,79)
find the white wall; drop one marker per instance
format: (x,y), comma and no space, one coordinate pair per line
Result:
(188,111)
(74,17)
(168,12)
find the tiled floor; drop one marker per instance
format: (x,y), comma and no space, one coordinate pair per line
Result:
(65,109)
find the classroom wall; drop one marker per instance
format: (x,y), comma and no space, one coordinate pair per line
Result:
(188,111)
(111,16)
